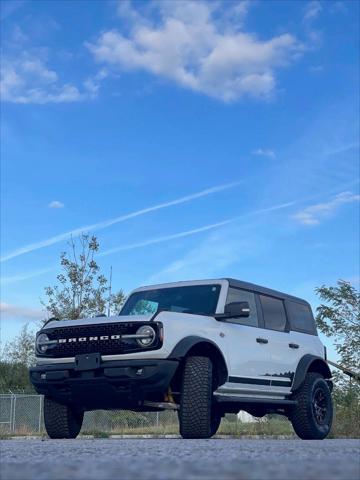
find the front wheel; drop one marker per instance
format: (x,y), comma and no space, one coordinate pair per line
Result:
(312,417)
(197,416)
(61,421)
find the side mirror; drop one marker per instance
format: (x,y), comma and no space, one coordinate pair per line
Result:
(235,309)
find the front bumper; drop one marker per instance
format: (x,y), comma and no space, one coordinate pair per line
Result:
(111,385)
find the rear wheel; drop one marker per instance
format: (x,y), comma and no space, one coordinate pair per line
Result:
(61,421)
(197,416)
(312,417)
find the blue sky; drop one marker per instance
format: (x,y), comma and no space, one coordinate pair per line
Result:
(197,140)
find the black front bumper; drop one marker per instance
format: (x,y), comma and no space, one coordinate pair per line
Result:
(111,385)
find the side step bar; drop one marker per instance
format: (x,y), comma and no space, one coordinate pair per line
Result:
(249,400)
(162,405)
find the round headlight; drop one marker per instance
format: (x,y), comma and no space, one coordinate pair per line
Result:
(148,336)
(42,343)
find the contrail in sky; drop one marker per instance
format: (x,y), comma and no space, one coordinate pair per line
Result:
(188,233)
(107,223)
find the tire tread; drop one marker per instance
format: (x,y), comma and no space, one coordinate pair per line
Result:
(195,406)
(301,417)
(60,420)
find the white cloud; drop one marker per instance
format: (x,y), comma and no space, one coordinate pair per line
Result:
(15,311)
(27,79)
(92,84)
(199,46)
(56,204)
(316,68)
(315,213)
(264,152)
(107,223)
(339,7)
(312,11)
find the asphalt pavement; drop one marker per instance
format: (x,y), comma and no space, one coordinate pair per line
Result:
(175,459)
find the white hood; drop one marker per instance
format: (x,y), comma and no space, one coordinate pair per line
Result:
(98,320)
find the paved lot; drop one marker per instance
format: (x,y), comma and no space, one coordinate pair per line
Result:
(173,459)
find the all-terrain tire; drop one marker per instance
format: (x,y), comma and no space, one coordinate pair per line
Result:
(312,417)
(60,420)
(197,416)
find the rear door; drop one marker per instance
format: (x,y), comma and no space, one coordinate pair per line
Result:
(284,352)
(303,335)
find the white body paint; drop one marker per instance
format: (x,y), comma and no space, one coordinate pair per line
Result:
(245,358)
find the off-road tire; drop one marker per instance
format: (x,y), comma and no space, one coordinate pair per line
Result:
(60,420)
(304,417)
(197,416)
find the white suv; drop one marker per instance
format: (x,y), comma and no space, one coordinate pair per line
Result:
(203,348)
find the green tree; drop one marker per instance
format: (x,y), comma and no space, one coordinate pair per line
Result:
(21,349)
(339,319)
(16,357)
(82,290)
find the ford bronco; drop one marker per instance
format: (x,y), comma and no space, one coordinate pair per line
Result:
(203,348)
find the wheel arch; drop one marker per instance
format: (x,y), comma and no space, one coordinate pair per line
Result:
(310,363)
(199,346)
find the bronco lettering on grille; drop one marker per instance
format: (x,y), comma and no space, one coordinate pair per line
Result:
(89,339)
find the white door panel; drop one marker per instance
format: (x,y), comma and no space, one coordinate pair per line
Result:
(248,359)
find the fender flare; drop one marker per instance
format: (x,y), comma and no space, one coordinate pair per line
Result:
(310,363)
(183,347)
(185,344)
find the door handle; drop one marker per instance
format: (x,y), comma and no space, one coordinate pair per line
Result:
(293,345)
(262,340)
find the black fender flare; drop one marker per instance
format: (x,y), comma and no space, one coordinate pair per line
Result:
(183,347)
(310,363)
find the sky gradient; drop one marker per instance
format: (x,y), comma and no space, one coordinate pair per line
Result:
(196,140)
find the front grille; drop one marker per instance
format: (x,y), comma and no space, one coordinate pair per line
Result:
(105,347)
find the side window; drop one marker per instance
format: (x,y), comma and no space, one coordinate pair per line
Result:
(301,318)
(236,295)
(274,313)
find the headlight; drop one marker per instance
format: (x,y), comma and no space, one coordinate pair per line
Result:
(148,334)
(43,343)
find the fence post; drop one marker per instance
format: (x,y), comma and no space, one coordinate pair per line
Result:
(157,419)
(11,412)
(40,411)
(14,413)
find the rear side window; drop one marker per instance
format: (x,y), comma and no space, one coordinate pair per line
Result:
(236,295)
(274,313)
(301,318)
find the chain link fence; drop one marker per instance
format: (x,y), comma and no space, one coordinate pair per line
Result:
(22,414)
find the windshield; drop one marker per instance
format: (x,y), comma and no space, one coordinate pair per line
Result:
(196,299)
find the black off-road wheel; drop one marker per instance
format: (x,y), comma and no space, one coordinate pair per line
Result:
(61,421)
(312,417)
(197,416)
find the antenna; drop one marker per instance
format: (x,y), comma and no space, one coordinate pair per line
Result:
(109,300)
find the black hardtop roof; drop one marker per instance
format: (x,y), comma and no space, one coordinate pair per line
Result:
(266,291)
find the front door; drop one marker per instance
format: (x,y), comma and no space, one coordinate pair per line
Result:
(248,349)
